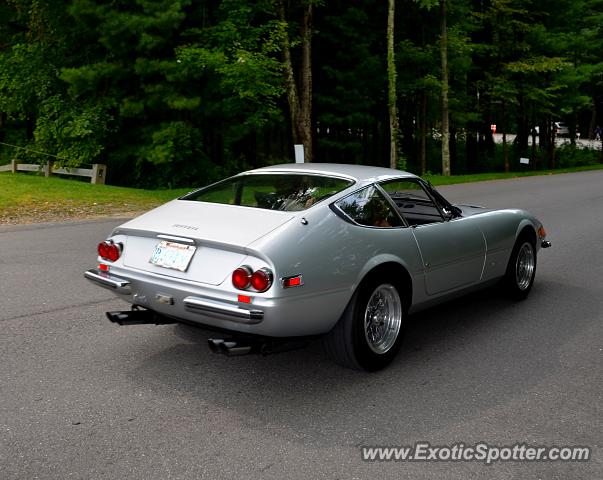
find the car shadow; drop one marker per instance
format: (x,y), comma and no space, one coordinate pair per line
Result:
(465,356)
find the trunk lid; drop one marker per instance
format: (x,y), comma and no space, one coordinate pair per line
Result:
(219,232)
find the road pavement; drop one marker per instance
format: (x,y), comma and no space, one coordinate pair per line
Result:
(83,398)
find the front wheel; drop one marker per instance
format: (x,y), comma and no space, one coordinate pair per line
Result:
(369,334)
(521,269)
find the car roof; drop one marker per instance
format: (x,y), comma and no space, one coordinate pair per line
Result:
(360,173)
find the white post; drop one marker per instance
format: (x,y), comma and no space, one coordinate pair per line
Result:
(299,153)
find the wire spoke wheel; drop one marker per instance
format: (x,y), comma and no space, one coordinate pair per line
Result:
(383,318)
(524,266)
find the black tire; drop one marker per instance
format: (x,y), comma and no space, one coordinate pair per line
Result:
(517,281)
(348,344)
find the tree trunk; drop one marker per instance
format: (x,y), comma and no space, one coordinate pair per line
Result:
(593,120)
(444,61)
(533,132)
(300,104)
(3,117)
(551,149)
(423,135)
(572,128)
(306,82)
(391,81)
(523,128)
(504,137)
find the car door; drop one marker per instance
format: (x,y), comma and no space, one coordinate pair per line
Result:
(453,249)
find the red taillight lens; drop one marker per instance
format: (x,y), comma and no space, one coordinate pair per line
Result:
(241,277)
(261,279)
(109,251)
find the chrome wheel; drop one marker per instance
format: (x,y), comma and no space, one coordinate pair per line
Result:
(383,318)
(524,266)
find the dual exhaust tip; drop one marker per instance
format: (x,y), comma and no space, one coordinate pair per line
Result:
(138,317)
(228,347)
(244,345)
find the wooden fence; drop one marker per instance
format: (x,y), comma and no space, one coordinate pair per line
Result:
(97,173)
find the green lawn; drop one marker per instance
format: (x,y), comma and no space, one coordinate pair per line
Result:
(27,198)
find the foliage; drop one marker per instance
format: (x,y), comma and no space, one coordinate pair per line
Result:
(182,92)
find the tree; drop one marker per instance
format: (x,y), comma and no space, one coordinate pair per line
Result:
(445,112)
(299,97)
(392,99)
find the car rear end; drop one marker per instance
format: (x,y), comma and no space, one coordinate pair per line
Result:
(194,261)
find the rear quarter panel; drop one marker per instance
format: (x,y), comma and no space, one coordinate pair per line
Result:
(333,256)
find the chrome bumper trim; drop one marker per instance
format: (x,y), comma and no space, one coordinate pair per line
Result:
(108,281)
(241,315)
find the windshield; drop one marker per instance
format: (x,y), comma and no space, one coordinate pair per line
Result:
(272,191)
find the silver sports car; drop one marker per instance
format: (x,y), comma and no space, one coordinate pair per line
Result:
(278,255)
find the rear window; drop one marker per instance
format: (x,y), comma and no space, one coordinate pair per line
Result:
(272,191)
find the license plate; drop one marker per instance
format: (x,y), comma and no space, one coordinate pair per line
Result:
(172,255)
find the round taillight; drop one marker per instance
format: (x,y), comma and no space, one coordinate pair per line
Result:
(109,251)
(261,279)
(241,277)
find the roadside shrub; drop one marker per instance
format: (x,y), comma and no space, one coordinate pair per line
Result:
(572,156)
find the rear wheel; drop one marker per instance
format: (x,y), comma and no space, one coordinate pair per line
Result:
(369,334)
(521,269)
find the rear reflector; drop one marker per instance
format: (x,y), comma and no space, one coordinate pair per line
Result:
(295,281)
(103,267)
(244,299)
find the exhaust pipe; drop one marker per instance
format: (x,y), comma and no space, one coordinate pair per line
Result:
(228,347)
(234,347)
(137,317)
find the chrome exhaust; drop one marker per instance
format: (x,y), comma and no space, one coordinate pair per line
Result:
(228,347)
(137,317)
(244,346)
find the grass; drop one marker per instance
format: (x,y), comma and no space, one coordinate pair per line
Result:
(27,198)
(30,198)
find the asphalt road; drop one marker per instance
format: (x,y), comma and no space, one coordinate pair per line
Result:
(83,398)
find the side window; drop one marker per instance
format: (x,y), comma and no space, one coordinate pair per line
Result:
(413,202)
(368,207)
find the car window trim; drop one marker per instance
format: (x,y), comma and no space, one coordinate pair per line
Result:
(392,205)
(421,184)
(246,174)
(344,216)
(434,194)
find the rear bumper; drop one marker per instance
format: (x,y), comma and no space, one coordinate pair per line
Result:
(200,305)
(119,285)
(293,314)
(191,303)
